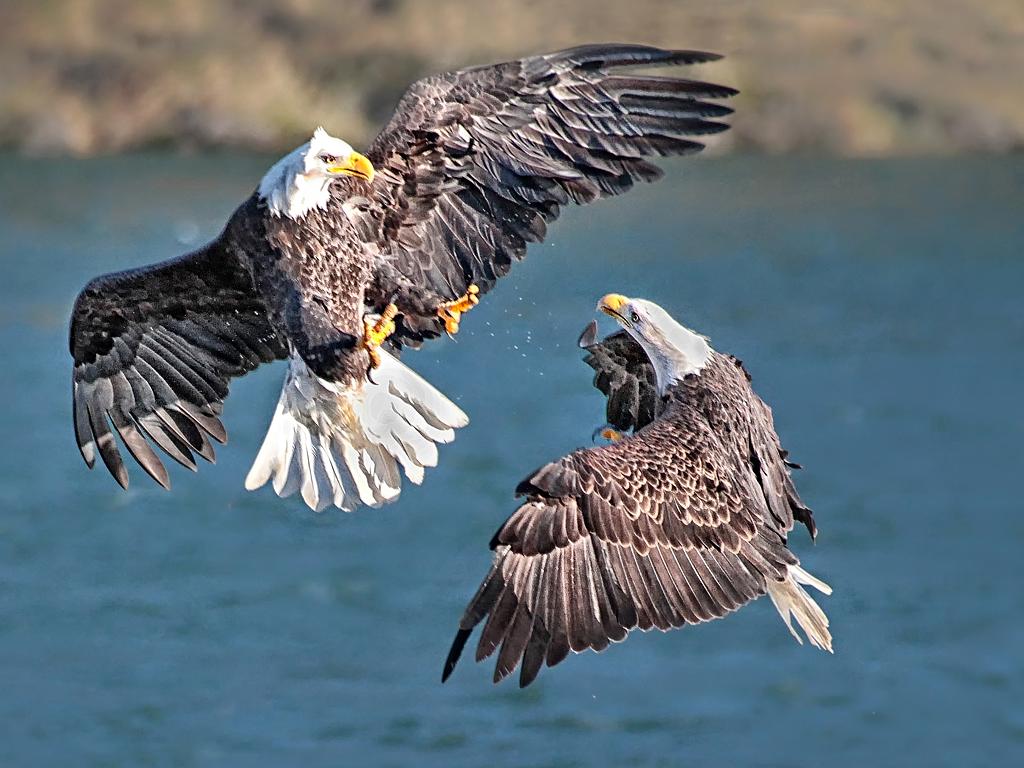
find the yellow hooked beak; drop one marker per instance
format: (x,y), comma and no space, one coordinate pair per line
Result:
(354,165)
(612,304)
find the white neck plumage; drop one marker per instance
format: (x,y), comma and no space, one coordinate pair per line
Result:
(678,353)
(290,190)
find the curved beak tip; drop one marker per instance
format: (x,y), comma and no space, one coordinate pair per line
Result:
(611,303)
(355,165)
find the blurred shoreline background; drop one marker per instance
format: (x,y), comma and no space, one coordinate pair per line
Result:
(851,77)
(875,301)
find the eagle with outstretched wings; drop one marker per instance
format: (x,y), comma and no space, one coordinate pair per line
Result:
(339,259)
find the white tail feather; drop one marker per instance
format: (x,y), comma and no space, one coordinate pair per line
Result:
(342,445)
(791,600)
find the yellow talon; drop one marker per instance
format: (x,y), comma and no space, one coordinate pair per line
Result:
(451,311)
(611,434)
(375,333)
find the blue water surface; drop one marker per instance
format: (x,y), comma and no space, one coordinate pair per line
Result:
(878,305)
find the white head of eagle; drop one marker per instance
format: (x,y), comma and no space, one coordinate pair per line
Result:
(674,350)
(301,180)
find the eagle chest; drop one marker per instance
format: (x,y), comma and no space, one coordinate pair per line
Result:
(321,254)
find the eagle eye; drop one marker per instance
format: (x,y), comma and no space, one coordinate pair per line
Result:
(329,159)
(634,317)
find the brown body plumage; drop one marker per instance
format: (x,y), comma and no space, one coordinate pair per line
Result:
(314,276)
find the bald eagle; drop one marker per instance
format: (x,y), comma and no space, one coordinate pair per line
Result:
(682,521)
(338,260)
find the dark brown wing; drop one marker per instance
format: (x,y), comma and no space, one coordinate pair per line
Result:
(476,163)
(154,349)
(734,407)
(667,527)
(624,373)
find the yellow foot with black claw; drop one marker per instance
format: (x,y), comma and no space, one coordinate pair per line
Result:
(451,311)
(376,333)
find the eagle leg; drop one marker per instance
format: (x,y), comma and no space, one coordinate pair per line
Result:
(376,332)
(451,311)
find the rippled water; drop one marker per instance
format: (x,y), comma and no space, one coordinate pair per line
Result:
(878,305)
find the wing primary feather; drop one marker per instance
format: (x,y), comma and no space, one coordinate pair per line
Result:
(558,648)
(533,656)
(498,622)
(514,644)
(157,430)
(107,445)
(210,424)
(458,644)
(140,449)
(83,429)
(536,647)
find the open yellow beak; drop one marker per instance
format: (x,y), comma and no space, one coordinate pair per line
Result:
(612,304)
(354,165)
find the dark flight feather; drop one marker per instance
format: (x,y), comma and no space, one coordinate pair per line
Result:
(147,361)
(475,164)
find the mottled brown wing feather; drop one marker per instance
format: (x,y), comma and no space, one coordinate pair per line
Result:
(623,372)
(154,349)
(668,527)
(476,163)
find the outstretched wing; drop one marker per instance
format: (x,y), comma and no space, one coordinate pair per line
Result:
(154,349)
(476,163)
(624,373)
(661,529)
